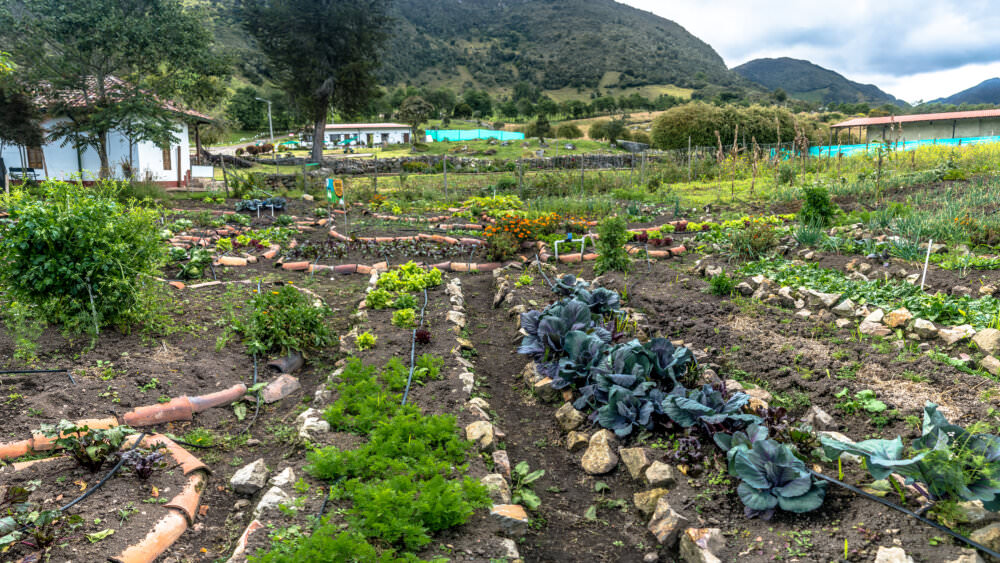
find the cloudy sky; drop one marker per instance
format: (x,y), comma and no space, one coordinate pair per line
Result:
(914,50)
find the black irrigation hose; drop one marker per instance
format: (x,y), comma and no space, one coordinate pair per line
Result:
(935,525)
(190,445)
(413,349)
(257,410)
(100,483)
(25,371)
(541,270)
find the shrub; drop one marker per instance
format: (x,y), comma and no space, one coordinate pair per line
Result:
(568,131)
(610,246)
(817,209)
(755,239)
(506,183)
(415,167)
(721,285)
(641,137)
(284,320)
(80,256)
(786,173)
(502,247)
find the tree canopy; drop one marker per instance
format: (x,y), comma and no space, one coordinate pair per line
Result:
(324,53)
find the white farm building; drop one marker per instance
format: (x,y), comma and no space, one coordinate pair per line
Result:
(365,134)
(169,166)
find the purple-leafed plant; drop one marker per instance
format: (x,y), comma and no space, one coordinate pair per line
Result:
(423,336)
(142,462)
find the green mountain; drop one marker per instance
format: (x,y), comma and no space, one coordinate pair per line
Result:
(553,44)
(986,92)
(807,81)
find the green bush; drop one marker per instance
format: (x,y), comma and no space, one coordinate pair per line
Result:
(568,131)
(786,173)
(721,285)
(610,246)
(817,209)
(82,257)
(284,320)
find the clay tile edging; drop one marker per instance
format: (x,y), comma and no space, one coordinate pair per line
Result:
(217,399)
(187,500)
(179,408)
(166,531)
(241,544)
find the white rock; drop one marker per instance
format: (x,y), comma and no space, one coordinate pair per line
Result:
(924,328)
(250,478)
(311,423)
(283,479)
(271,500)
(892,555)
(955,334)
(498,488)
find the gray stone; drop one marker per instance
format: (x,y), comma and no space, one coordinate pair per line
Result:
(660,474)
(498,488)
(646,501)
(468,380)
(955,334)
(666,523)
(744,289)
(456,318)
(699,545)
(819,419)
(820,299)
(892,555)
(712,271)
(510,551)
(651,557)
(988,340)
(284,479)
(545,391)
(988,536)
(600,456)
(898,318)
(271,500)
(465,344)
(310,423)
(924,328)
(874,329)
(501,462)
(843,323)
(250,478)
(961,290)
(968,556)
(990,364)
(732,385)
(569,418)
(636,460)
(482,433)
(973,512)
(987,289)
(480,402)
(844,309)
(875,316)
(576,441)
(803,314)
(785,297)
(512,518)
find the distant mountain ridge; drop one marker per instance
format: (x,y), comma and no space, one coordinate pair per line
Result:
(808,81)
(986,92)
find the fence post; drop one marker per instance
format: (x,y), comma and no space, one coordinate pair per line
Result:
(445,167)
(689,158)
(376,173)
(581,173)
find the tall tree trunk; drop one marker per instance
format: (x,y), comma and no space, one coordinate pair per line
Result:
(319,134)
(102,152)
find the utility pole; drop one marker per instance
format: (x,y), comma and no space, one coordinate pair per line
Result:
(270,127)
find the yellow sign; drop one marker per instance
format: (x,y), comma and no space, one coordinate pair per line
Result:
(338,187)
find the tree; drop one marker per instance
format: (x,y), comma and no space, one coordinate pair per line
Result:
(479,101)
(780,95)
(20,121)
(245,111)
(462,110)
(525,108)
(324,53)
(108,65)
(414,111)
(443,99)
(546,106)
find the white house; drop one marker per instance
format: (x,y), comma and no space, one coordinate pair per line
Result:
(365,134)
(56,160)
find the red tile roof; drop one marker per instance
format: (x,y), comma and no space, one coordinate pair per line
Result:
(113,86)
(867,121)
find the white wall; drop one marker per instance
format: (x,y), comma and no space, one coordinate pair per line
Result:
(396,136)
(62,162)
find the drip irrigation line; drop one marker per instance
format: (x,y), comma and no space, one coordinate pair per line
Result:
(257,409)
(908,512)
(190,445)
(100,483)
(542,271)
(69,374)
(413,349)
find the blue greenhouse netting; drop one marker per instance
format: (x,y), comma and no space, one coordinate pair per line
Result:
(848,150)
(473,134)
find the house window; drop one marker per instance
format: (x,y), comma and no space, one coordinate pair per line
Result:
(166,158)
(385,138)
(35,157)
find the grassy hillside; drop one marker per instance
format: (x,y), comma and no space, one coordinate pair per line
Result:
(571,48)
(807,81)
(986,92)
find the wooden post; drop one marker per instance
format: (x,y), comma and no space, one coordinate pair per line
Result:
(225,179)
(689,158)
(376,173)
(197,143)
(445,175)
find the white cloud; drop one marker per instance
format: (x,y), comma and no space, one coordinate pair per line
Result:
(915,49)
